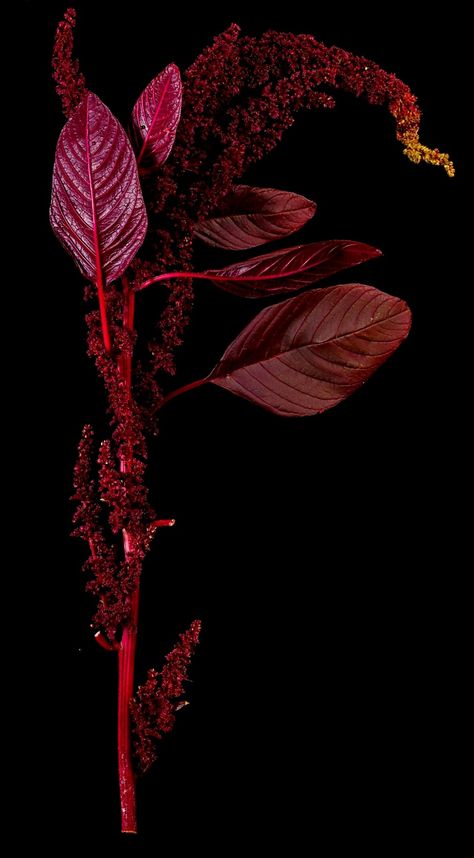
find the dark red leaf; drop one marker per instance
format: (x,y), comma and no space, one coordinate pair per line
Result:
(290,269)
(97,209)
(310,352)
(252,216)
(155,118)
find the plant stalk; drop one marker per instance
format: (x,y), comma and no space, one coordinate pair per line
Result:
(126,669)
(126,654)
(103,311)
(180,390)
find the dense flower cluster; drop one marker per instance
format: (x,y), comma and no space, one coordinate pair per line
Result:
(120,488)
(154,707)
(103,565)
(70,83)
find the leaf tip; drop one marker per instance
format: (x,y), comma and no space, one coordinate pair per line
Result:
(172,68)
(369,251)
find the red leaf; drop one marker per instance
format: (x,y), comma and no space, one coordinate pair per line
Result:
(312,351)
(155,118)
(97,209)
(290,269)
(253,216)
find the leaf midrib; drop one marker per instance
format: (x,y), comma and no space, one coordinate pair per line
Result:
(337,339)
(154,120)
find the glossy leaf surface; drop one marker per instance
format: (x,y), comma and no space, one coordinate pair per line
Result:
(290,269)
(97,210)
(253,216)
(156,117)
(310,352)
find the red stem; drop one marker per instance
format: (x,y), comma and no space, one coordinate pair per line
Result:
(103,310)
(181,390)
(126,666)
(172,275)
(104,642)
(126,655)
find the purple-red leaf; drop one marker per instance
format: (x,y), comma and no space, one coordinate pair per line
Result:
(252,216)
(290,269)
(155,118)
(310,352)
(97,209)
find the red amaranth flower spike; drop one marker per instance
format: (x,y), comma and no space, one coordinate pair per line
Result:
(193,142)
(70,82)
(157,700)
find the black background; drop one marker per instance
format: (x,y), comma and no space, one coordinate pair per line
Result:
(327,690)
